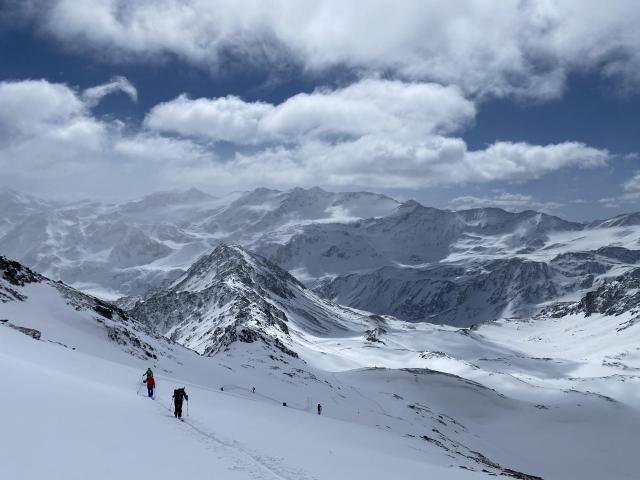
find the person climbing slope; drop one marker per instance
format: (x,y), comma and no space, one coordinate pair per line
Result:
(178,396)
(319,409)
(151,384)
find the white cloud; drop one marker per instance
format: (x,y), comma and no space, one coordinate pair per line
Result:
(631,195)
(393,109)
(375,133)
(39,107)
(633,184)
(507,160)
(227,118)
(48,129)
(611,202)
(384,163)
(28,106)
(499,47)
(49,136)
(505,200)
(92,96)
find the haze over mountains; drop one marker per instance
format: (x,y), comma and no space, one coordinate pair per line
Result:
(360,249)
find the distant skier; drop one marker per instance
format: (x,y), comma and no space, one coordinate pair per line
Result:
(151,384)
(319,409)
(253,390)
(178,396)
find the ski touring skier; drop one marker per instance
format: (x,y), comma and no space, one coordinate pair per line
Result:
(179,395)
(151,385)
(319,409)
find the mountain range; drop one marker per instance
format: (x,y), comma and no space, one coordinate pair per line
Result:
(432,337)
(359,249)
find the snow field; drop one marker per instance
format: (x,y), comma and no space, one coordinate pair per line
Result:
(73,416)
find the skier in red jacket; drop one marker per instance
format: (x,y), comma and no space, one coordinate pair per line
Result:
(151,384)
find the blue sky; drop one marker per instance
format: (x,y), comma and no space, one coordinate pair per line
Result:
(116,99)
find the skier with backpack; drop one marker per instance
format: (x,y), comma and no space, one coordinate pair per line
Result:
(151,384)
(178,396)
(319,409)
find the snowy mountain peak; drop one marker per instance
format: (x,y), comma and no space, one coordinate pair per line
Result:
(624,220)
(169,197)
(499,220)
(234,295)
(308,191)
(409,206)
(233,265)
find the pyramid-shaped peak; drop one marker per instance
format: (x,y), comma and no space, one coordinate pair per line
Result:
(233,265)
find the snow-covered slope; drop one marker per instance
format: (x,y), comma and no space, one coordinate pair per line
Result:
(53,312)
(624,220)
(412,399)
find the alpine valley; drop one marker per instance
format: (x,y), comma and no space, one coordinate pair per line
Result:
(441,344)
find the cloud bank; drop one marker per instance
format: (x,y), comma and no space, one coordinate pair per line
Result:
(374,133)
(514,202)
(486,47)
(391,109)
(419,72)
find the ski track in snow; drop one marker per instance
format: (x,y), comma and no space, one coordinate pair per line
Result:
(244,459)
(273,466)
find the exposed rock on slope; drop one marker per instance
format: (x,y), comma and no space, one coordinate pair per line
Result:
(37,300)
(465,293)
(616,296)
(450,294)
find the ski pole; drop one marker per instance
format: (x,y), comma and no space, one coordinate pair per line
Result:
(139,387)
